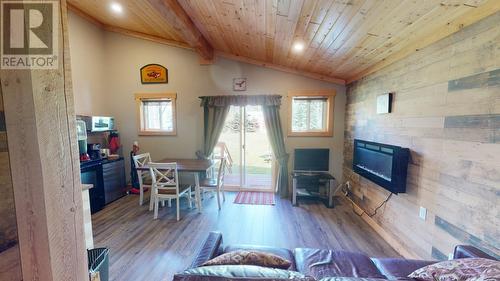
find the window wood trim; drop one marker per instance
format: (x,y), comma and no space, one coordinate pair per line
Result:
(140,97)
(329,94)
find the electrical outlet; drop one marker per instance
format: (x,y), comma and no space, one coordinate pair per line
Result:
(450,256)
(422,213)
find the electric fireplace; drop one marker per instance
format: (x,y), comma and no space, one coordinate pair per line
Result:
(383,164)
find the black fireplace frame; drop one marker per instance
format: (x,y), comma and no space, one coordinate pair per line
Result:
(400,158)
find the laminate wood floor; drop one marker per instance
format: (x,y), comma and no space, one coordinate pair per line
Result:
(145,249)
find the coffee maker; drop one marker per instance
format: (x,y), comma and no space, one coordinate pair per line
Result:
(94,151)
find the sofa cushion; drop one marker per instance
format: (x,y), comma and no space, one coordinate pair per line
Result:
(281,252)
(327,263)
(394,268)
(250,258)
(459,269)
(238,272)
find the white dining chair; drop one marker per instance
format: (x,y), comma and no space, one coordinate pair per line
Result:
(144,176)
(165,186)
(216,184)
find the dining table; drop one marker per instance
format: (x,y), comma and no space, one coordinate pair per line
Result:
(192,166)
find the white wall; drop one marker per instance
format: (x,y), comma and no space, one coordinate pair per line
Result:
(86,44)
(124,56)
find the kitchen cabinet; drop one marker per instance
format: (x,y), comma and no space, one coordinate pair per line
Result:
(108,179)
(114,180)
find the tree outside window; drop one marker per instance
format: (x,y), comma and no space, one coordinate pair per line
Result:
(311,113)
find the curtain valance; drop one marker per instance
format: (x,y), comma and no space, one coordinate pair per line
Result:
(241,100)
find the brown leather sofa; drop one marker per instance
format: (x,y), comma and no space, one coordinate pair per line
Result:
(308,264)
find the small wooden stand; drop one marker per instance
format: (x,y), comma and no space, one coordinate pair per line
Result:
(308,185)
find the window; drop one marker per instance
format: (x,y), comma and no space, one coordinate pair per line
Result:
(311,113)
(156,113)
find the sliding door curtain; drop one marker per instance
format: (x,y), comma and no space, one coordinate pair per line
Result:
(216,109)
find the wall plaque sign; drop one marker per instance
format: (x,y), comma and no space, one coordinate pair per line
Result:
(154,74)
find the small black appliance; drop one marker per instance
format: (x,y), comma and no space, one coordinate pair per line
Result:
(94,151)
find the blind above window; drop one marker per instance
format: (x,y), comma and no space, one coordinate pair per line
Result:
(151,101)
(311,98)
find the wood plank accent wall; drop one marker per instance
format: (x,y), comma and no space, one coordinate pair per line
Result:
(10,261)
(446,109)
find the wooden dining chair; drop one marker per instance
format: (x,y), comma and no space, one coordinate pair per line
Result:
(144,179)
(216,184)
(165,186)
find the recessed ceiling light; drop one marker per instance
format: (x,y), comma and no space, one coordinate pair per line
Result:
(116,8)
(298,46)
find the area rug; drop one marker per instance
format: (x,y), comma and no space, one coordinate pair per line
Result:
(254,198)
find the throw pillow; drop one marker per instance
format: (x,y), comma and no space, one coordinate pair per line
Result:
(250,258)
(459,270)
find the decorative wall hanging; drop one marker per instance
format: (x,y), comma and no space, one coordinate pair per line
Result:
(154,74)
(384,103)
(239,84)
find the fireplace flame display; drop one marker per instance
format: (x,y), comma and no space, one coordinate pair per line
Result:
(374,172)
(383,164)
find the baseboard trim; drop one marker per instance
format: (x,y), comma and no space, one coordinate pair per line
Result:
(389,238)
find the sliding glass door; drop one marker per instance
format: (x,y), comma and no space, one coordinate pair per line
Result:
(245,142)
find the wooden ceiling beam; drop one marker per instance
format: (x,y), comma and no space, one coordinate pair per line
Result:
(476,14)
(148,37)
(174,14)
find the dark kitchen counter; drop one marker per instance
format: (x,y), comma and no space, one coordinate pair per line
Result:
(89,163)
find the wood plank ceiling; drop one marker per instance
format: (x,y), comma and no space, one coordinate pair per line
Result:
(344,39)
